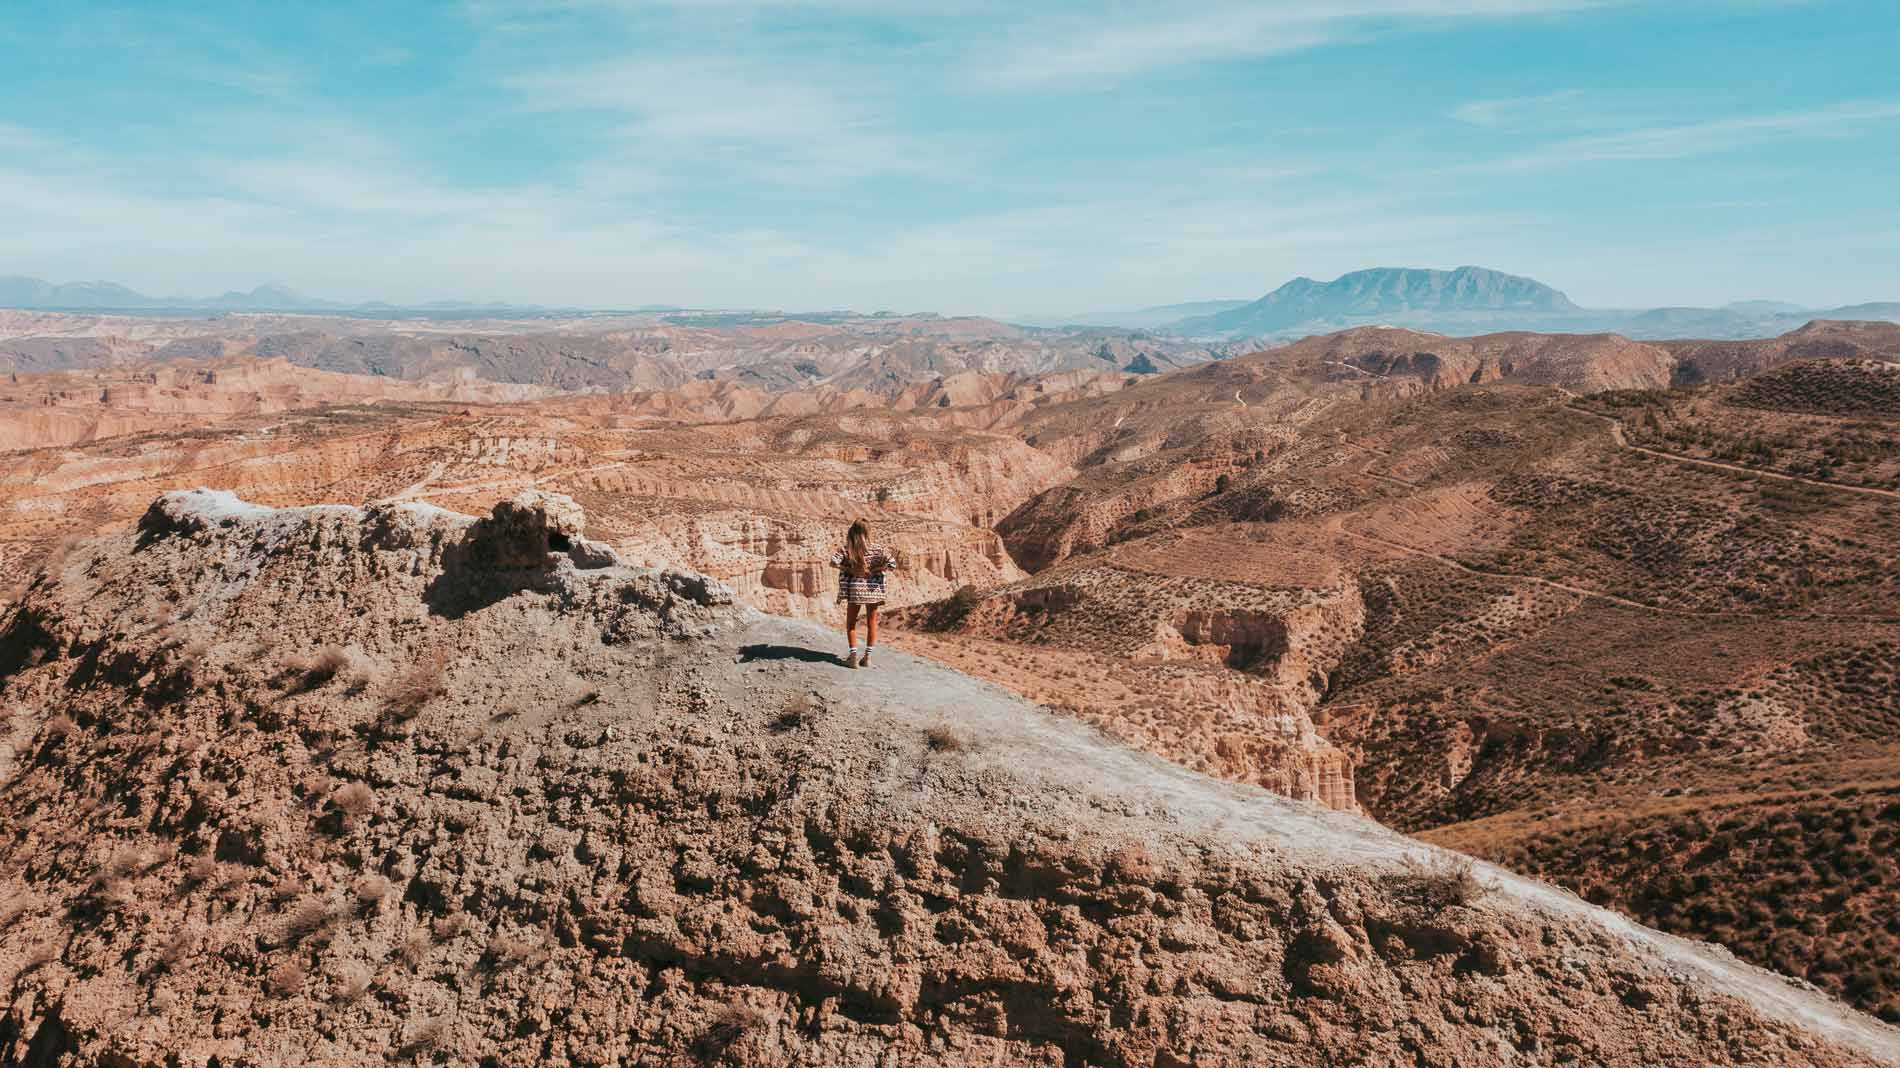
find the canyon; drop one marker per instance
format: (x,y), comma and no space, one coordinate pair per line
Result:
(290,809)
(1584,606)
(882,355)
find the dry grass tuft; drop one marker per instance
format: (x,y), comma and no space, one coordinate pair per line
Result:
(354,800)
(732,1024)
(113,882)
(944,740)
(450,927)
(125,862)
(415,948)
(179,946)
(322,666)
(427,1035)
(287,978)
(352,981)
(202,869)
(60,726)
(189,657)
(312,919)
(796,712)
(512,951)
(372,892)
(1444,880)
(420,683)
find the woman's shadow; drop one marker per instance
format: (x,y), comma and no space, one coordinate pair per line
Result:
(765,651)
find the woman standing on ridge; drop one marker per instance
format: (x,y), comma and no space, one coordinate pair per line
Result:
(861,568)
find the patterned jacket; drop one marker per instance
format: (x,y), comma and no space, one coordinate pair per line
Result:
(867,588)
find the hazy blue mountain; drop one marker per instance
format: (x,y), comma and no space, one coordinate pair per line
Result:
(271,298)
(1763,307)
(19,292)
(1744,319)
(38,294)
(1476,300)
(1888,310)
(1465,301)
(1690,322)
(1385,294)
(1141,318)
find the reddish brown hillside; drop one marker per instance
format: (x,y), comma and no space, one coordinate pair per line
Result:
(336,785)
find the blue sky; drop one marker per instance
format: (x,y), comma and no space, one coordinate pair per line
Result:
(999,158)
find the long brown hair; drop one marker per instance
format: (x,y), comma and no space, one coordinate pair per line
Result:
(857,547)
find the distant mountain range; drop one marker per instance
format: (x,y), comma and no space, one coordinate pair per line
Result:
(1463,302)
(1476,300)
(1140,318)
(37,294)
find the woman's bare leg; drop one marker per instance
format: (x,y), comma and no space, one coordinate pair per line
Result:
(851,627)
(870,625)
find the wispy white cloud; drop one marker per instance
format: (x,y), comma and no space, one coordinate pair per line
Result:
(1684,140)
(1100,47)
(194,47)
(1514,111)
(644,159)
(387,230)
(787,128)
(1579,111)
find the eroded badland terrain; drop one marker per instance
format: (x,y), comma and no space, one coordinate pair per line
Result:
(377,778)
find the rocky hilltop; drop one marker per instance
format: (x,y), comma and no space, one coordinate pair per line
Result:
(328,785)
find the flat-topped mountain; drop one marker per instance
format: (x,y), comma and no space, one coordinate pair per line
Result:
(1384,292)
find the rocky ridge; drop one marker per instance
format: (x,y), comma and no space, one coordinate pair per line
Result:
(599,814)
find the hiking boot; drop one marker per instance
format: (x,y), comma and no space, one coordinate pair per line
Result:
(851,659)
(865,660)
